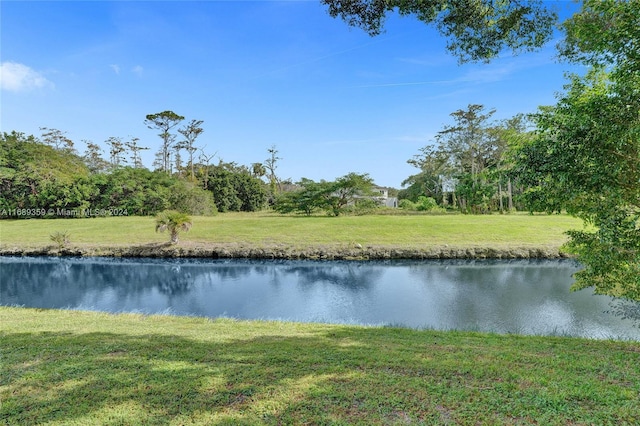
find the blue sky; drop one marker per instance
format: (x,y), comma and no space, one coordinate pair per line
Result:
(259,73)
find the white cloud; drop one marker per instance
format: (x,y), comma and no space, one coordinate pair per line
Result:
(115,68)
(490,73)
(429,61)
(413,138)
(137,70)
(17,77)
(408,83)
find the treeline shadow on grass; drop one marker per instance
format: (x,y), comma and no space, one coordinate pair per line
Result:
(331,377)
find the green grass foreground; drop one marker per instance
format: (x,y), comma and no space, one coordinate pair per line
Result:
(89,368)
(263,229)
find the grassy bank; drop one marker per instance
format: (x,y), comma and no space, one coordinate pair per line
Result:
(84,368)
(500,232)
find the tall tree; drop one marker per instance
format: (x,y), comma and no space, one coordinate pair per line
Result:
(477,30)
(134,149)
(164,122)
(93,158)
(470,149)
(468,142)
(205,161)
(586,156)
(470,164)
(435,171)
(271,164)
(177,159)
(508,135)
(57,139)
(191,132)
(116,151)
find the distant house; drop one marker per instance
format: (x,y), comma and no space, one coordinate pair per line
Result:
(385,199)
(381,195)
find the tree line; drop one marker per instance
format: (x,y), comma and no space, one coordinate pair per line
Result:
(40,179)
(48,177)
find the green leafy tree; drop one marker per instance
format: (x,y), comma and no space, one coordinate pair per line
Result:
(434,166)
(258,170)
(164,121)
(586,155)
(333,197)
(468,142)
(251,191)
(475,194)
(345,190)
(174,222)
(67,196)
(309,198)
(234,188)
(470,163)
(224,193)
(137,191)
(287,202)
(477,30)
(461,161)
(508,135)
(34,175)
(187,197)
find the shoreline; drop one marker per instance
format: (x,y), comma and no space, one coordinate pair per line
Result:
(286,252)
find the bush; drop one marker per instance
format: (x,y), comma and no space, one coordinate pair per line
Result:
(62,239)
(407,204)
(174,222)
(426,204)
(363,206)
(187,197)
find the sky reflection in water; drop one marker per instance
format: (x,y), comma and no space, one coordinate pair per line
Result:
(527,297)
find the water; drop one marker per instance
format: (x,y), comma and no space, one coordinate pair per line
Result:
(525,297)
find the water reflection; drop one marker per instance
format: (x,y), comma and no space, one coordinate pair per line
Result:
(529,297)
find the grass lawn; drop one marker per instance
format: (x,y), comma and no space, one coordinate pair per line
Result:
(262,229)
(89,368)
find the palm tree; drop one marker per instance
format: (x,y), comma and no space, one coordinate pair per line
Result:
(173,221)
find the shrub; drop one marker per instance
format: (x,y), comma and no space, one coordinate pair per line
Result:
(426,204)
(174,222)
(189,198)
(62,239)
(407,204)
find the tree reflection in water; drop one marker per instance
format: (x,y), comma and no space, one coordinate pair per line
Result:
(530,297)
